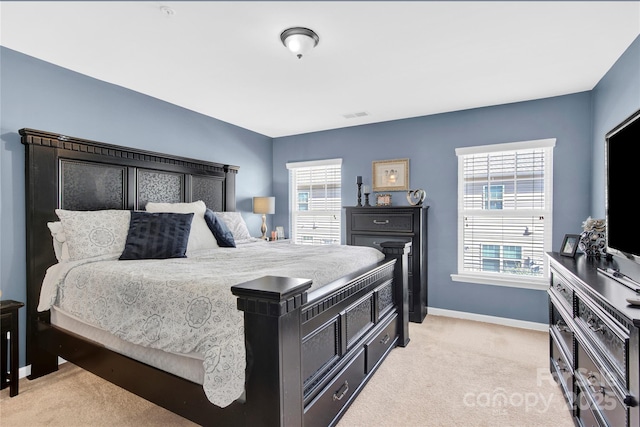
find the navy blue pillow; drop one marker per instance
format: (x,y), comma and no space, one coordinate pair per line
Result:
(157,235)
(221,232)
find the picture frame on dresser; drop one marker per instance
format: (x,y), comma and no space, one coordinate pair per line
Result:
(569,245)
(383,199)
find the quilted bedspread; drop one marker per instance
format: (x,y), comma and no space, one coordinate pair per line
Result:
(184,305)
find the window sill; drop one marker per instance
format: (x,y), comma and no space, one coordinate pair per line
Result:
(541,284)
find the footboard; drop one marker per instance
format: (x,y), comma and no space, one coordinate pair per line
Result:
(325,344)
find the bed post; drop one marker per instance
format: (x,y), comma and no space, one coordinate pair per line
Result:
(399,251)
(273,338)
(41,190)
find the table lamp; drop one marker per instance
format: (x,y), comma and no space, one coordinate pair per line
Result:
(264,206)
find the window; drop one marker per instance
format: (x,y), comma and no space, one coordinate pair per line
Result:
(492,196)
(504,213)
(315,196)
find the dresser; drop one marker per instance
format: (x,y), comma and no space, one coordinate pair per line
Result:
(370,226)
(594,342)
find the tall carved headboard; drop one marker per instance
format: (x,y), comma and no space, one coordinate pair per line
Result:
(78,174)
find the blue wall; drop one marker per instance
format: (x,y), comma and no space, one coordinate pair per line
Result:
(429,142)
(615,97)
(39,95)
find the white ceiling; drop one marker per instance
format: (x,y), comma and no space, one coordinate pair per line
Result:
(390,59)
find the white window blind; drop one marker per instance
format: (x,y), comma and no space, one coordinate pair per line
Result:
(315,201)
(505,212)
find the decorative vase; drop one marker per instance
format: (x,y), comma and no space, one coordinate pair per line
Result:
(416,197)
(593,238)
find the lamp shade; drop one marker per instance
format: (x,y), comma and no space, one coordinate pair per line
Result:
(264,205)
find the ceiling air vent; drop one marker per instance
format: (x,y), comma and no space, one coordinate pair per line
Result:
(354,115)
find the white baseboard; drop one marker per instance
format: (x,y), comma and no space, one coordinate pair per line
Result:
(524,324)
(26,371)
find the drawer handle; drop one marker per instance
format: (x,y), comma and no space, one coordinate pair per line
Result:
(562,327)
(593,383)
(385,339)
(386,221)
(594,329)
(561,365)
(592,325)
(338,395)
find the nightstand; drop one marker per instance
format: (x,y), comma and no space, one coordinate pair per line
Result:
(280,241)
(9,323)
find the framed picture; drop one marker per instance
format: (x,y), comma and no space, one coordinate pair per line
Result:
(280,232)
(391,175)
(569,245)
(383,199)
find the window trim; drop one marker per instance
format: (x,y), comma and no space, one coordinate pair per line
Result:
(500,279)
(293,198)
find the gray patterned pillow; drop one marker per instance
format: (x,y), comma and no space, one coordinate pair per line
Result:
(236,224)
(94,233)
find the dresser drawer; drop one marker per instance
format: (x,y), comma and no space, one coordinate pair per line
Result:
(379,344)
(388,222)
(560,287)
(586,416)
(560,328)
(334,397)
(562,371)
(599,391)
(606,335)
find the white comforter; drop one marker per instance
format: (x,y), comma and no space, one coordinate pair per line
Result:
(184,305)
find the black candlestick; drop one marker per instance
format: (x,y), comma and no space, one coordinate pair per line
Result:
(359,195)
(366,199)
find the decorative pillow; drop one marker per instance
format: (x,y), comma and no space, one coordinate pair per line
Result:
(60,246)
(223,235)
(158,235)
(236,224)
(201,238)
(94,233)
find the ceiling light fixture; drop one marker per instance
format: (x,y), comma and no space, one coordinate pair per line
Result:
(299,40)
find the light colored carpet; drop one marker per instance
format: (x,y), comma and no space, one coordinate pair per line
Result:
(462,373)
(453,373)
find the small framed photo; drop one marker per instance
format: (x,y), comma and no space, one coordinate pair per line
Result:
(569,245)
(391,175)
(383,199)
(280,232)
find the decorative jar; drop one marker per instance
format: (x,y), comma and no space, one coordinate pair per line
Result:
(593,238)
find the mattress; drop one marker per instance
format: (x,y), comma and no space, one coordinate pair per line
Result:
(187,366)
(183,307)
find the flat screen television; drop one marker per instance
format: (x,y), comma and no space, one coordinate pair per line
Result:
(622,164)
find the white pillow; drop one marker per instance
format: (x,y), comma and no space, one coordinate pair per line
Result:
(60,246)
(236,224)
(200,236)
(94,233)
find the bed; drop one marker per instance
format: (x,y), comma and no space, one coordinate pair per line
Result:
(310,340)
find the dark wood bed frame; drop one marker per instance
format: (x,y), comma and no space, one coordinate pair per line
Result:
(308,353)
